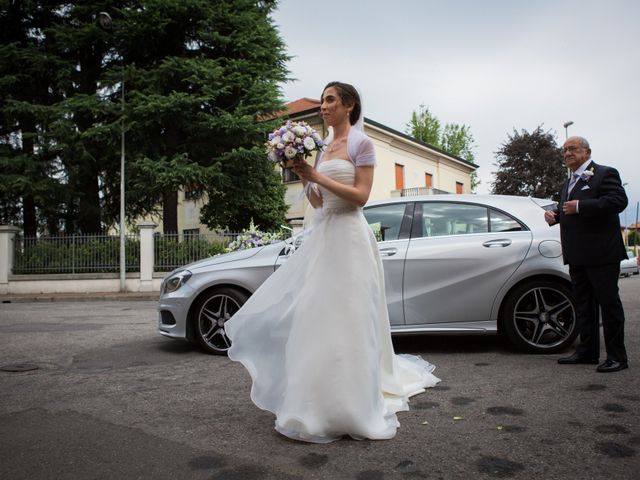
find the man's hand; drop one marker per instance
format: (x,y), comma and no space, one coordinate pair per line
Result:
(570,207)
(550,217)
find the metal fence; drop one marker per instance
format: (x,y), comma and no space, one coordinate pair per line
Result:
(101,253)
(74,254)
(173,250)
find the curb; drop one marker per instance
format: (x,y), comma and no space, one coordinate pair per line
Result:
(80,297)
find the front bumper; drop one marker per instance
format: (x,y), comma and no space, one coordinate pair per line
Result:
(173,312)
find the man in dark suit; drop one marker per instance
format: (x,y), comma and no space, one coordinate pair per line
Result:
(592,246)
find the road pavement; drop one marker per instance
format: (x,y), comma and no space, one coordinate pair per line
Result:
(102,396)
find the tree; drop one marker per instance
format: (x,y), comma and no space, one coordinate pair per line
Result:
(83,113)
(202,76)
(454,138)
(30,191)
(424,126)
(530,164)
(457,140)
(198,77)
(256,197)
(53,116)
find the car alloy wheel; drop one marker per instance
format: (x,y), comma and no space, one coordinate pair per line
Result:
(211,313)
(540,317)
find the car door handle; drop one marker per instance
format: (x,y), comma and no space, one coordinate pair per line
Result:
(502,242)
(388,252)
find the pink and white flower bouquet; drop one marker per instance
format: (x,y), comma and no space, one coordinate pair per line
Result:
(293,140)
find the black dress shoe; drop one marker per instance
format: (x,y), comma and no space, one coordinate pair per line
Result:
(611,366)
(576,359)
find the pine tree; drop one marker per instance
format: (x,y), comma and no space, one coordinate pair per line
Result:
(201,76)
(198,78)
(30,193)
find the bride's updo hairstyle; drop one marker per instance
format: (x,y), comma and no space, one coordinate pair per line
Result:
(349,96)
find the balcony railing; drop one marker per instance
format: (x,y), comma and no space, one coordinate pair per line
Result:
(417,191)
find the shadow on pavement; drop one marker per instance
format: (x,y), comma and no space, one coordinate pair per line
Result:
(450,344)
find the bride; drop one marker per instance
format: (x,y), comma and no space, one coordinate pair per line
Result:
(315,336)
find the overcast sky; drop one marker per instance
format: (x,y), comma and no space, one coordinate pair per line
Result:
(493,65)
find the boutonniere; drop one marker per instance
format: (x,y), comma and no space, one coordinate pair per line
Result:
(587,174)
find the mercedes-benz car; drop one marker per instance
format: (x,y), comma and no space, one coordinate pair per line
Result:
(453,264)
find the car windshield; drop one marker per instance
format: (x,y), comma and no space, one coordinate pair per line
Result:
(296,240)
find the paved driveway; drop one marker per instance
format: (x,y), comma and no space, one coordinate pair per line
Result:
(110,399)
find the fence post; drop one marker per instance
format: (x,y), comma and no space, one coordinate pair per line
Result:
(7,234)
(147,254)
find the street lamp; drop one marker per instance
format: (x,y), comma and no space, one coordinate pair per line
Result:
(566,126)
(635,237)
(106,23)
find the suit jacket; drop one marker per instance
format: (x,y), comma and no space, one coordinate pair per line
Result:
(593,236)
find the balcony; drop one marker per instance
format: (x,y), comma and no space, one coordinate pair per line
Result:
(417,191)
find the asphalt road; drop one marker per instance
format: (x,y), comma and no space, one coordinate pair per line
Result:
(111,399)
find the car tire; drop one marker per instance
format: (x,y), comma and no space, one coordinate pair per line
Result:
(539,316)
(210,314)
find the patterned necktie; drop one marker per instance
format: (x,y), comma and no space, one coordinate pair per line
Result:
(572,182)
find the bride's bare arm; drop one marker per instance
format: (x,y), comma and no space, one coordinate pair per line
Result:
(358,194)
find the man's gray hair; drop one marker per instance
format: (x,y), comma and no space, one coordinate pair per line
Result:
(583,142)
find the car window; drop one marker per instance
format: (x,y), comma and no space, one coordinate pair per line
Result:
(385,220)
(441,218)
(501,222)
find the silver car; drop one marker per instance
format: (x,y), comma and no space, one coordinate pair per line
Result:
(629,266)
(453,264)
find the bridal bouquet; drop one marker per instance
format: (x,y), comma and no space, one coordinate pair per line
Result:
(292,140)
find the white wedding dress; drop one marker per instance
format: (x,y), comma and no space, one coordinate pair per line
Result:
(315,336)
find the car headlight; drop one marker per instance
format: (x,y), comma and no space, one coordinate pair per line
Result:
(174,282)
